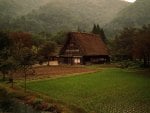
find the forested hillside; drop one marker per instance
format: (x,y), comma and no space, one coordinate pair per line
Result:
(11,9)
(19,7)
(135,15)
(57,15)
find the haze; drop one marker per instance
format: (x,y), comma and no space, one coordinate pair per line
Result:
(132,1)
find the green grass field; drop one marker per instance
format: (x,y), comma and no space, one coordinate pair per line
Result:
(108,91)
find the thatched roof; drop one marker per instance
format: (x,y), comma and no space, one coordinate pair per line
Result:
(89,44)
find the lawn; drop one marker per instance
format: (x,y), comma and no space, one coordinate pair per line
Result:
(107,91)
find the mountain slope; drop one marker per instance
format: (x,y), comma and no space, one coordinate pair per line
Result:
(13,7)
(10,9)
(135,15)
(69,14)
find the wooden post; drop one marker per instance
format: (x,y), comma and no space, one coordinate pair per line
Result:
(25,79)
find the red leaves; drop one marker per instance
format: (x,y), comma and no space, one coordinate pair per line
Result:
(21,39)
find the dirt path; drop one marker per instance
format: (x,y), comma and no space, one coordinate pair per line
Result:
(55,71)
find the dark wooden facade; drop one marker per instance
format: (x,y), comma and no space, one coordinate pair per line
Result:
(83,48)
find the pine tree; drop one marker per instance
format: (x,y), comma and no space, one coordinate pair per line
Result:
(99,31)
(94,29)
(103,35)
(79,29)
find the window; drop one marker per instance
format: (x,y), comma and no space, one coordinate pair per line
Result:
(73,50)
(77,61)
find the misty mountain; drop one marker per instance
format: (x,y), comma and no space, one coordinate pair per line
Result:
(56,15)
(10,9)
(19,7)
(135,15)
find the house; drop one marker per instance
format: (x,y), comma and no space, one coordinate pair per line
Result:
(84,48)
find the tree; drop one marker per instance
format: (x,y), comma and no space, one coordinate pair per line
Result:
(26,60)
(60,37)
(47,49)
(141,46)
(103,36)
(121,46)
(8,64)
(79,29)
(21,50)
(6,101)
(9,67)
(94,30)
(99,31)
(4,46)
(16,54)
(37,41)
(45,35)
(132,43)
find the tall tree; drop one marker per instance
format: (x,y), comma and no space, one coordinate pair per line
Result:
(133,43)
(103,36)
(21,50)
(141,46)
(26,60)
(94,30)
(47,50)
(8,64)
(99,31)
(5,63)
(37,41)
(122,44)
(60,37)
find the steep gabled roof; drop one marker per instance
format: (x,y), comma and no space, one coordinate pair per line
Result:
(89,44)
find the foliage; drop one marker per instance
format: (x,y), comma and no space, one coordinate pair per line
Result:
(22,51)
(97,30)
(21,48)
(132,44)
(47,50)
(6,101)
(16,101)
(16,54)
(141,47)
(134,15)
(60,37)
(130,64)
(122,44)
(4,41)
(7,62)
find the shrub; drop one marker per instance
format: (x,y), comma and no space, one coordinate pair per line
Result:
(36,103)
(6,101)
(130,64)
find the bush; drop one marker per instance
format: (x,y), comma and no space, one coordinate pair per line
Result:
(36,103)
(8,98)
(130,64)
(6,101)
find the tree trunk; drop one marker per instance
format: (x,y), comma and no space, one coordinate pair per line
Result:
(4,77)
(12,83)
(25,81)
(146,60)
(11,80)
(48,61)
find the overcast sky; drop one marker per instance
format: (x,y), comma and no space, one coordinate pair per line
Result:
(130,1)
